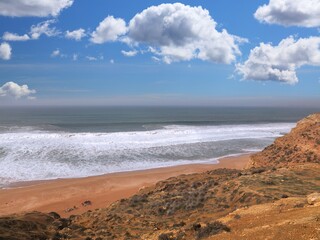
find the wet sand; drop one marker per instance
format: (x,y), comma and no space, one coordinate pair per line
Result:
(65,196)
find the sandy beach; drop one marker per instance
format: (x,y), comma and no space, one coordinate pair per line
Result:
(66,196)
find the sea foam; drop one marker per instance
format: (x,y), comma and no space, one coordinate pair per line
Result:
(30,154)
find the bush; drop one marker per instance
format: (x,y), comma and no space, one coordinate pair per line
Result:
(211,229)
(257,170)
(165,236)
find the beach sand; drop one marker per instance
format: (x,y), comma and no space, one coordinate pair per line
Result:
(65,196)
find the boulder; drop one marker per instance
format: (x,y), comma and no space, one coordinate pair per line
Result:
(314,199)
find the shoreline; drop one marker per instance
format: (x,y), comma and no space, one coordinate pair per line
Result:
(22,184)
(65,196)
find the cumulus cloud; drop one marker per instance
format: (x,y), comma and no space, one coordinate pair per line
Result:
(129,53)
(5,51)
(76,34)
(178,32)
(36,8)
(43,28)
(7,36)
(109,30)
(279,63)
(12,89)
(304,13)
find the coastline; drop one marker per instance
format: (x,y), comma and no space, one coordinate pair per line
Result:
(65,196)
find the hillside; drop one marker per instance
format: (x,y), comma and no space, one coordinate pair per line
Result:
(272,200)
(301,145)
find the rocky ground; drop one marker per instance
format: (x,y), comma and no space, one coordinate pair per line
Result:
(272,199)
(288,218)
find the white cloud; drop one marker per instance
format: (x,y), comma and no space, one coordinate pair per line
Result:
(109,30)
(43,28)
(11,89)
(36,8)
(111,61)
(7,36)
(55,53)
(35,32)
(76,34)
(90,58)
(58,53)
(129,53)
(304,13)
(75,57)
(279,63)
(178,32)
(5,51)
(154,58)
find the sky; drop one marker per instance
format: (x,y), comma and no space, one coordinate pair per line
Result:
(193,53)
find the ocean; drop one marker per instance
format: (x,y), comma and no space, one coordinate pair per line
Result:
(38,143)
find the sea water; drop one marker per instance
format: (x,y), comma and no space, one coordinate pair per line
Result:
(38,143)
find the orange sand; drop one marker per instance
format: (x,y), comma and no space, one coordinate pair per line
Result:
(62,194)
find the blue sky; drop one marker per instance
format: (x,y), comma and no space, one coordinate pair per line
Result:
(203,60)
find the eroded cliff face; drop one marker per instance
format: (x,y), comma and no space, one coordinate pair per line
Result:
(301,145)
